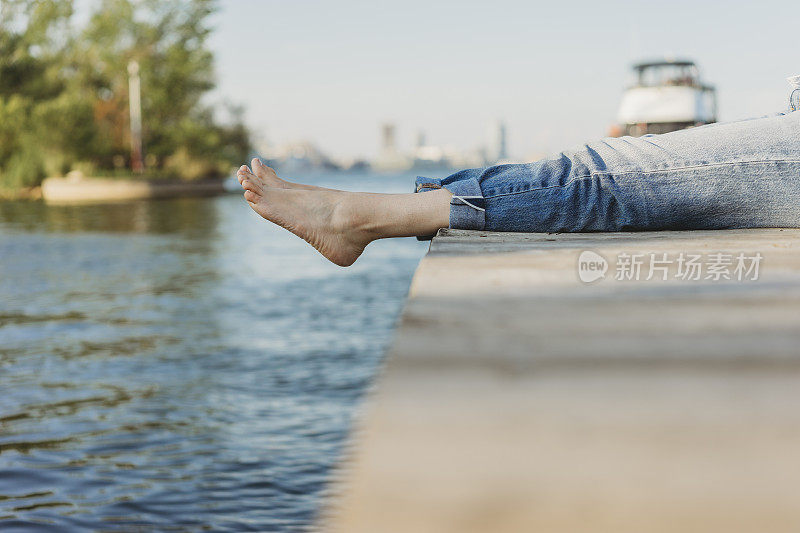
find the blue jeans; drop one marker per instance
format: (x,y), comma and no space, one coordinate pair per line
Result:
(742,174)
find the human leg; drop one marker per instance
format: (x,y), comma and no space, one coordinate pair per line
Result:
(735,175)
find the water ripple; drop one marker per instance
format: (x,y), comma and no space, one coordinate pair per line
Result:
(178,365)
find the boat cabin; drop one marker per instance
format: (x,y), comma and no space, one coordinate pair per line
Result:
(665,96)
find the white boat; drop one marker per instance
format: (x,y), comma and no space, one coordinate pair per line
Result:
(666,96)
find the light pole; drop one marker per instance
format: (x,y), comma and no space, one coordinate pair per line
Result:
(135,101)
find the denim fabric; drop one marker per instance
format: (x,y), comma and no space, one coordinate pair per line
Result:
(731,175)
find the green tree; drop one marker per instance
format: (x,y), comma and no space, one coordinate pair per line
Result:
(64,90)
(33,37)
(168,39)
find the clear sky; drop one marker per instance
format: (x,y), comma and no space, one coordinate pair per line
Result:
(332,71)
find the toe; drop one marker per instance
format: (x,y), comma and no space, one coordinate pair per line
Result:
(252,182)
(246,175)
(251,197)
(266,173)
(241,174)
(250,185)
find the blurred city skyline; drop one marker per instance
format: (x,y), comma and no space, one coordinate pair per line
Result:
(332,73)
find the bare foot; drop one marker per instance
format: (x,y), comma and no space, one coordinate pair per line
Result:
(327,219)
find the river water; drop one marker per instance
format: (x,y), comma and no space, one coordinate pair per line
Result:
(181,364)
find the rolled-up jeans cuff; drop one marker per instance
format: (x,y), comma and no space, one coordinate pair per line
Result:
(427,184)
(467,205)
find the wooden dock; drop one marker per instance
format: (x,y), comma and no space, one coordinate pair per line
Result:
(518,398)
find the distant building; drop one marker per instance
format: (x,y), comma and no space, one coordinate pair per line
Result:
(433,158)
(388,134)
(496,147)
(302,156)
(390,159)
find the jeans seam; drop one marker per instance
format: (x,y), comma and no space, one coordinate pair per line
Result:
(641,171)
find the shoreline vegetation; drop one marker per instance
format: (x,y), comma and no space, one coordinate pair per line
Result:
(64,98)
(22,193)
(76,189)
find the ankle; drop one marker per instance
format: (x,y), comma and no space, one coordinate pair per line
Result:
(353,215)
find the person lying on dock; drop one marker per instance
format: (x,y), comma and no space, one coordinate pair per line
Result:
(743,174)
